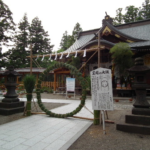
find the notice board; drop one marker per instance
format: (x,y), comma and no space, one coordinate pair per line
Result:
(101,89)
(70,84)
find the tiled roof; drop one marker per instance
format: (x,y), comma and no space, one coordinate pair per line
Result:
(80,42)
(141,32)
(137,33)
(102,41)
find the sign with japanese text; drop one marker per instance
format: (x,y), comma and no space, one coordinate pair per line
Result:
(70,84)
(101,89)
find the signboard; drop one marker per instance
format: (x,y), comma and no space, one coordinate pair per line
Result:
(70,84)
(101,88)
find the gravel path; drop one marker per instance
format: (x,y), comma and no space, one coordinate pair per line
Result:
(93,138)
(35,108)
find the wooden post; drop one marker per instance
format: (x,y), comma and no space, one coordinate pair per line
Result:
(96,120)
(30,59)
(99,51)
(54,82)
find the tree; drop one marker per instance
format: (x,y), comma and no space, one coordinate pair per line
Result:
(39,38)
(7,27)
(21,44)
(119,17)
(122,58)
(145,11)
(66,41)
(76,31)
(131,14)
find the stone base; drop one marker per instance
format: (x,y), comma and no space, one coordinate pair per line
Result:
(140,129)
(6,112)
(134,124)
(141,111)
(11,108)
(137,119)
(10,100)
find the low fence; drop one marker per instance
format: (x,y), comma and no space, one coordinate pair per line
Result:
(49,84)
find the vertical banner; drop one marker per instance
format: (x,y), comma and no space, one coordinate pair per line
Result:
(70,84)
(101,88)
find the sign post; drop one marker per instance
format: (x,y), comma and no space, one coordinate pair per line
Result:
(101,86)
(70,86)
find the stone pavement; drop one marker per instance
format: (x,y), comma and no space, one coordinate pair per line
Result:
(40,132)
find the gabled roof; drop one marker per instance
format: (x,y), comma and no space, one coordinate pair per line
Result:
(102,41)
(142,32)
(123,34)
(136,34)
(80,42)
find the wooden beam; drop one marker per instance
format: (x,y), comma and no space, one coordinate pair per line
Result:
(66,53)
(87,60)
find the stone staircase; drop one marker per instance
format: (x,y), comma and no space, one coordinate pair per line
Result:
(135,122)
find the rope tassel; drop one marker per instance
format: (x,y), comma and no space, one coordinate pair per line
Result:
(55,57)
(61,56)
(84,55)
(42,58)
(50,57)
(76,54)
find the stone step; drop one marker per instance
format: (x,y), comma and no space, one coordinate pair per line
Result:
(137,119)
(132,128)
(6,111)
(11,105)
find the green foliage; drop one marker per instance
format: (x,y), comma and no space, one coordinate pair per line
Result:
(76,74)
(7,27)
(119,17)
(68,40)
(29,84)
(46,89)
(61,50)
(132,13)
(96,117)
(21,44)
(145,10)
(76,31)
(39,38)
(75,61)
(122,58)
(88,79)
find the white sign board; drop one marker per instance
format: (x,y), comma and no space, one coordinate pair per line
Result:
(101,88)
(70,84)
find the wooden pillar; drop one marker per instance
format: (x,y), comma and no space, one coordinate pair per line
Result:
(17,80)
(54,82)
(96,120)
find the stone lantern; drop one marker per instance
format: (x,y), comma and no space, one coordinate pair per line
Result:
(139,120)
(139,85)
(11,103)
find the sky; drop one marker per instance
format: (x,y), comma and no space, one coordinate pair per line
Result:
(58,16)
